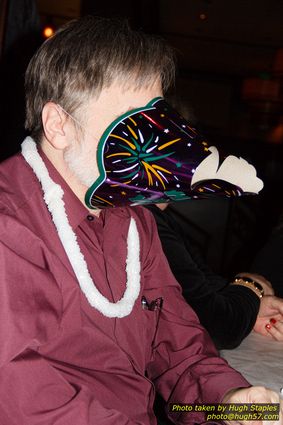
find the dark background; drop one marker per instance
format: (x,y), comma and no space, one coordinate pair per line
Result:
(229,84)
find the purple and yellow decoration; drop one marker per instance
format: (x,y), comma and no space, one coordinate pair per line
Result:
(153,155)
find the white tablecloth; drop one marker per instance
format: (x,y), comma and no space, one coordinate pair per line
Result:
(259,359)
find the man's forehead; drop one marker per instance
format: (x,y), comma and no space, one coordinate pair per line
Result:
(118,101)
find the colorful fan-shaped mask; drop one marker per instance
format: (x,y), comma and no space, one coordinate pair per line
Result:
(153,155)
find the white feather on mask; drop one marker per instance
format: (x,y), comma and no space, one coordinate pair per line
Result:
(234,170)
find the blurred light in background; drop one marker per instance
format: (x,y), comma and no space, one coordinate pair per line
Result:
(48,31)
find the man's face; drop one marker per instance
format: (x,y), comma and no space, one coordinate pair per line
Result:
(94,117)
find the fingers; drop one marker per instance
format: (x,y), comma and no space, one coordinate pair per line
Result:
(263,395)
(275,329)
(253,395)
(259,394)
(270,306)
(276,303)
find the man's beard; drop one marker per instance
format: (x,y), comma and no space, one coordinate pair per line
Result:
(82,163)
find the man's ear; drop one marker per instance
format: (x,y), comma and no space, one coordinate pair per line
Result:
(54,122)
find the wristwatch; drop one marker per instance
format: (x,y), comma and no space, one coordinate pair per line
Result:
(249,283)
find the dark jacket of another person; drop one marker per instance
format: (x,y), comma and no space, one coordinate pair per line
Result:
(227,311)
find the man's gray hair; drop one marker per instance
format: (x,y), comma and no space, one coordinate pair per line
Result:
(88,55)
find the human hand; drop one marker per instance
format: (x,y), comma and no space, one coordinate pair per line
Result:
(266,285)
(253,395)
(270,318)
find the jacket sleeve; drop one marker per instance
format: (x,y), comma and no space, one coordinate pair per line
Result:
(186,367)
(228,312)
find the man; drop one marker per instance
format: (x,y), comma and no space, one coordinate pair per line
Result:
(84,337)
